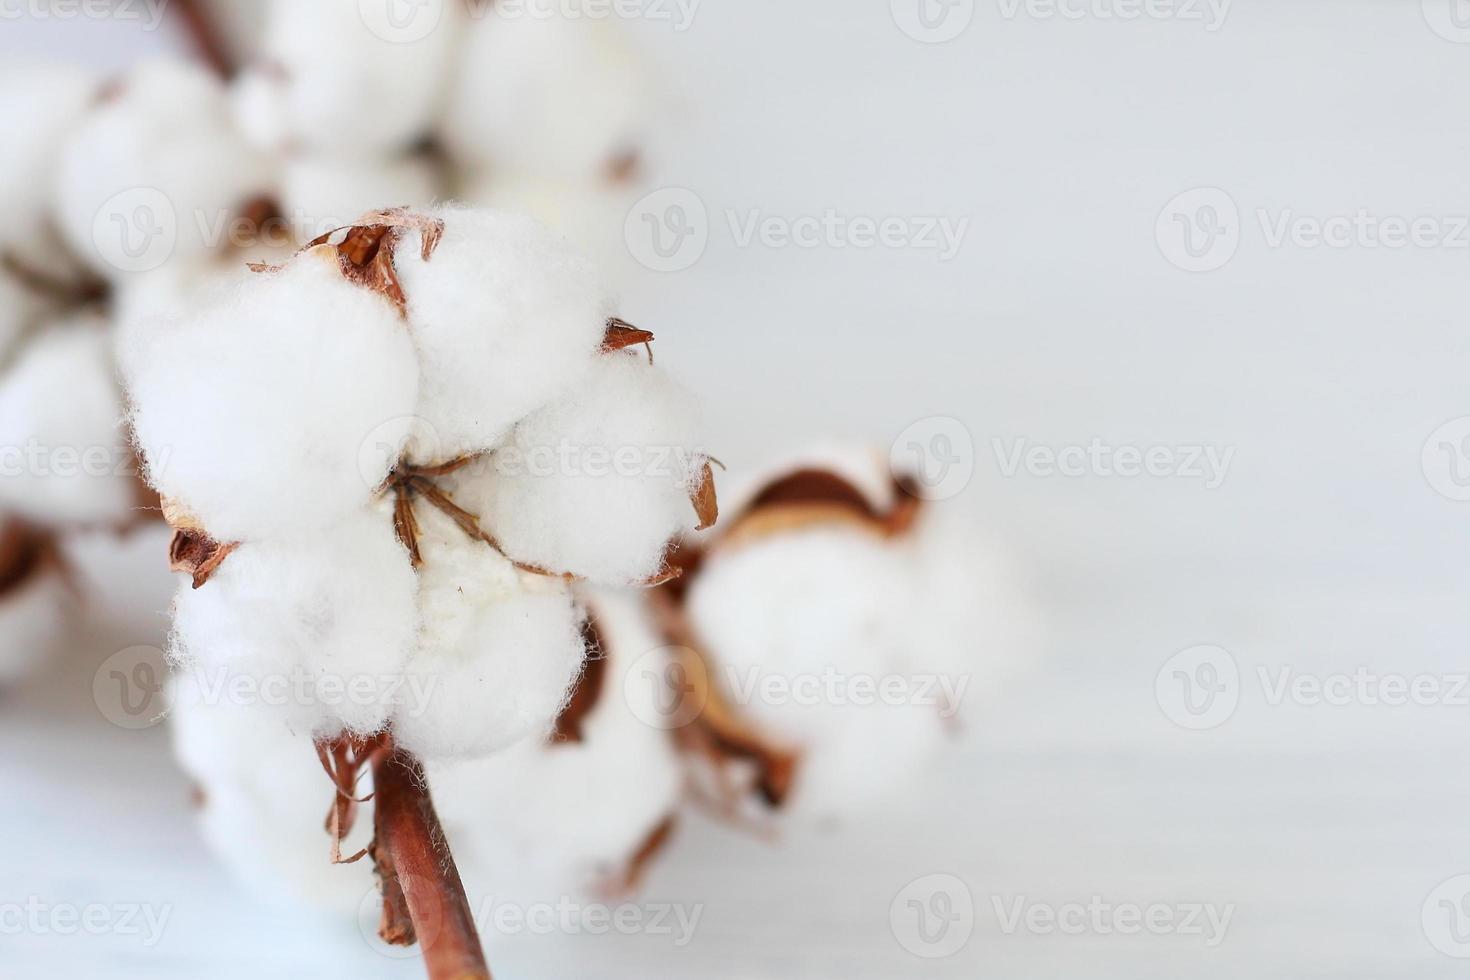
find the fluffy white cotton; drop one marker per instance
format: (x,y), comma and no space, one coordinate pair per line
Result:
(826,610)
(499,649)
(542,93)
(278,410)
(32,615)
(263,797)
(322,193)
(155,172)
(64,454)
(598,482)
(341,76)
(38,106)
(588,213)
(505,316)
(315,628)
(569,816)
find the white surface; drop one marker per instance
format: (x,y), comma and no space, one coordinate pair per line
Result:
(1324,549)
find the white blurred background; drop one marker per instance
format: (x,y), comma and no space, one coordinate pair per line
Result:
(1061,135)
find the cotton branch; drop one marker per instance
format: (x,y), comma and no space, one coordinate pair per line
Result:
(423,897)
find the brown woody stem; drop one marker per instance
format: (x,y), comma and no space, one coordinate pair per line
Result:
(419,875)
(200,25)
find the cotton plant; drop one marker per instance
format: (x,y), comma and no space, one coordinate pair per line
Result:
(830,576)
(389,461)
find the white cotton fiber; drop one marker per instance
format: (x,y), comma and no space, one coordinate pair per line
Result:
(350,84)
(323,193)
(547,94)
(598,482)
(278,410)
(505,316)
(498,652)
(589,213)
(38,106)
(315,627)
(33,615)
(570,816)
(64,454)
(802,628)
(155,173)
(263,797)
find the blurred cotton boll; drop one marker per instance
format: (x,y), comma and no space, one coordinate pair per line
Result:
(542,93)
(64,454)
(332,80)
(262,797)
(320,193)
(570,815)
(38,106)
(155,172)
(35,605)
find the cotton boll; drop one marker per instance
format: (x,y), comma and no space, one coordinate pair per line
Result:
(155,173)
(64,456)
(263,798)
(498,652)
(546,94)
(19,311)
(38,106)
(862,468)
(827,609)
(322,193)
(505,316)
(588,213)
(33,614)
(561,817)
(278,410)
(351,86)
(320,624)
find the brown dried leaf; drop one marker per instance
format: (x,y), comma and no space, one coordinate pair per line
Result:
(705,500)
(621,335)
(197,554)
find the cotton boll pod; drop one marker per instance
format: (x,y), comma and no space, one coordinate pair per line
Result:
(35,600)
(316,627)
(588,808)
(280,409)
(64,455)
(538,92)
(333,79)
(498,652)
(505,316)
(322,193)
(154,173)
(598,483)
(260,797)
(38,106)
